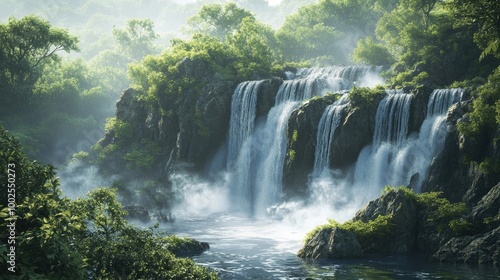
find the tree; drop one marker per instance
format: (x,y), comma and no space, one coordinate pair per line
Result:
(327,29)
(27,43)
(217,20)
(370,52)
(251,43)
(484,17)
(137,38)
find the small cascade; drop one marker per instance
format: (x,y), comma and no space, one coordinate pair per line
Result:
(391,121)
(330,121)
(442,99)
(241,124)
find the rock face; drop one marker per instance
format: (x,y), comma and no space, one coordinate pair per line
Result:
(480,248)
(418,107)
(448,173)
(355,132)
(301,137)
(483,247)
(404,211)
(332,243)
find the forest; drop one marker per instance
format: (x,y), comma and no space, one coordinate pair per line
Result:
(65,64)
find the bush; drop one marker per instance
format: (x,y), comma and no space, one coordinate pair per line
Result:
(59,238)
(365,233)
(361,97)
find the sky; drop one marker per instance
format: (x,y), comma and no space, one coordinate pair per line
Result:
(271,2)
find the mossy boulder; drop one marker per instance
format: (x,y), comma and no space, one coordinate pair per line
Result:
(331,243)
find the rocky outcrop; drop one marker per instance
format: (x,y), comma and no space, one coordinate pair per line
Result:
(480,248)
(301,137)
(404,213)
(186,247)
(418,107)
(332,243)
(451,173)
(266,96)
(355,132)
(417,228)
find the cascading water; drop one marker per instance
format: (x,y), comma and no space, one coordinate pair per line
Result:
(375,164)
(394,158)
(330,121)
(391,121)
(243,105)
(257,169)
(415,157)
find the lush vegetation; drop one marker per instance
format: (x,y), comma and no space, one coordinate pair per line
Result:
(438,211)
(87,238)
(56,102)
(57,106)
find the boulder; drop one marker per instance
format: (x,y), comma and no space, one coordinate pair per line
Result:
(187,247)
(404,210)
(331,243)
(266,96)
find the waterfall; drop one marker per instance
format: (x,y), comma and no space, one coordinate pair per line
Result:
(394,158)
(441,99)
(257,151)
(328,124)
(241,124)
(391,120)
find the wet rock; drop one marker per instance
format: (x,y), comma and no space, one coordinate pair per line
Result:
(481,248)
(301,134)
(331,243)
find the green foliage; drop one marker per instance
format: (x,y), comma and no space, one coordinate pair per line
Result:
(136,40)
(485,113)
(143,155)
(370,52)
(441,211)
(252,46)
(484,17)
(365,233)
(295,136)
(25,45)
(291,155)
(485,116)
(58,238)
(321,30)
(361,97)
(423,37)
(217,21)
